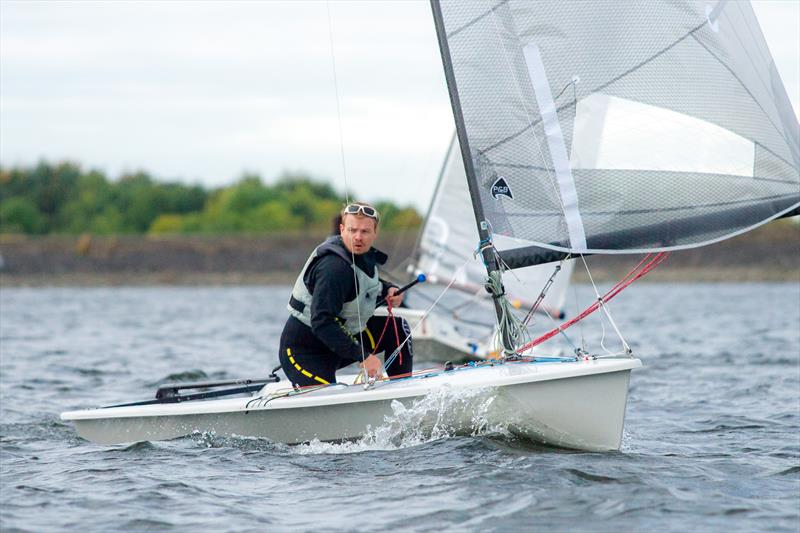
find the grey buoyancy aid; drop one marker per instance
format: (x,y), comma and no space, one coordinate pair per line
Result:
(362,306)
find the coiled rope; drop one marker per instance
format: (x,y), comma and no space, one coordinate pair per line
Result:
(510,330)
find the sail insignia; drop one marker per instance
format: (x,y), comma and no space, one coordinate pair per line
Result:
(501,188)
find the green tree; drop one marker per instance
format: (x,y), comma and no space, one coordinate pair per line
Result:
(136,200)
(63,198)
(288,183)
(167,224)
(248,194)
(20,215)
(179,198)
(394,217)
(107,222)
(93,195)
(270,217)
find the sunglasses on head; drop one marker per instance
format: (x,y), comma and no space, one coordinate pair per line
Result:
(367,211)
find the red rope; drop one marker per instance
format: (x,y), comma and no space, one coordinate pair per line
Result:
(650,262)
(389,318)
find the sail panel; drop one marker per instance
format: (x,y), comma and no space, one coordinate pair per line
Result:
(689,132)
(450,237)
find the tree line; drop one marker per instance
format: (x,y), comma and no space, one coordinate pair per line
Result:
(63,198)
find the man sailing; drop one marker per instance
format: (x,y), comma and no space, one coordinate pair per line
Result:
(332,323)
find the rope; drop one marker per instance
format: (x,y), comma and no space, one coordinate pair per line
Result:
(344,163)
(542,294)
(510,329)
(607,312)
(391,358)
(563,333)
(389,318)
(648,263)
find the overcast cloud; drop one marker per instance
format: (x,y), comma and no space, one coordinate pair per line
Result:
(204,91)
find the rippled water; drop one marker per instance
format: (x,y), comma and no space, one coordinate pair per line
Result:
(712,439)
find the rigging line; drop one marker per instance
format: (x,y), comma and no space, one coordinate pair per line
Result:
(583,336)
(389,318)
(510,332)
(424,316)
(453,312)
(524,323)
(469,302)
(562,332)
(542,294)
(344,163)
(524,334)
(603,336)
(598,88)
(605,310)
(637,272)
(541,297)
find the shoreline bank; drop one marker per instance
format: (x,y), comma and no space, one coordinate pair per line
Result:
(233,279)
(768,254)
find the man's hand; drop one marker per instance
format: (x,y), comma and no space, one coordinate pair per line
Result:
(373,366)
(394,298)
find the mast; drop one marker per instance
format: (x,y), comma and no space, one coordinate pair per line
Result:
(483,226)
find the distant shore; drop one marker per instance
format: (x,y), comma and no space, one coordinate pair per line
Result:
(768,254)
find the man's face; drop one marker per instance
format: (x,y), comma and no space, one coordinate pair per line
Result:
(358,233)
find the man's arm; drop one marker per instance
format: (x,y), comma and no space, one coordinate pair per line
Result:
(333,285)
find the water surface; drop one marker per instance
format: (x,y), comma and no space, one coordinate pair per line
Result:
(711,440)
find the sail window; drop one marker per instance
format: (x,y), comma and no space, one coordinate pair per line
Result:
(617,133)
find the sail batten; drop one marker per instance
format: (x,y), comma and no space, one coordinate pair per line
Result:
(676,133)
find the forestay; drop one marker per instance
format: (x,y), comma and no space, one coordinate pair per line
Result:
(618,127)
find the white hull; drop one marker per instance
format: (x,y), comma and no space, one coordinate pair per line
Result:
(577,405)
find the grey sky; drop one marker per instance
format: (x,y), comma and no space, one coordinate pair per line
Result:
(203,91)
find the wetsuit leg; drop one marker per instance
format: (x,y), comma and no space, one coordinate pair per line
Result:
(404,361)
(305,359)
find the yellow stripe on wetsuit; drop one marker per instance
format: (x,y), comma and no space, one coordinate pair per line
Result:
(300,369)
(371,338)
(355,337)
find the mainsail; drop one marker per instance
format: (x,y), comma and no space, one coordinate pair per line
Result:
(449,237)
(617,127)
